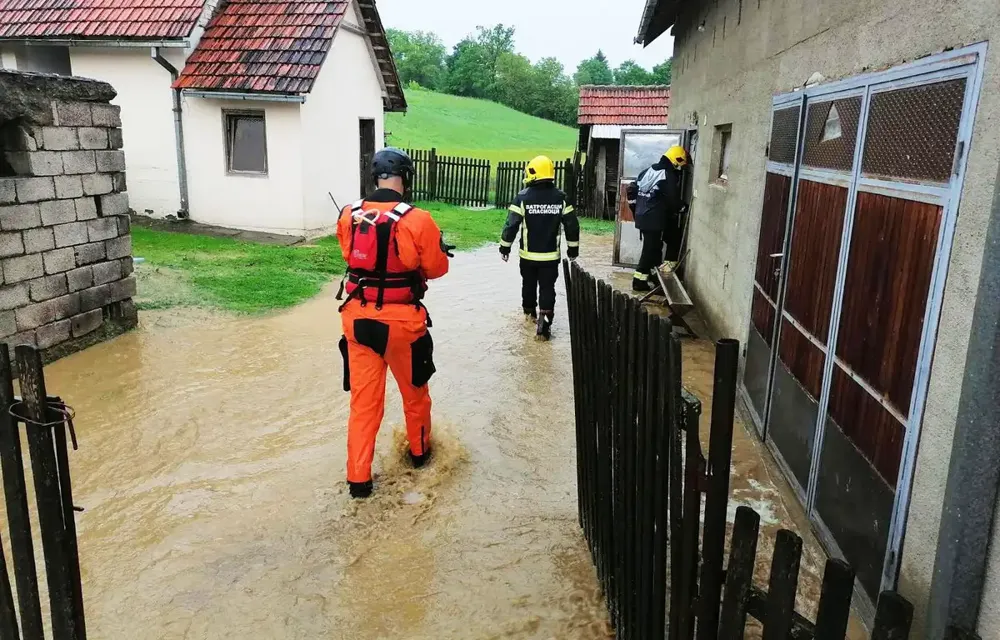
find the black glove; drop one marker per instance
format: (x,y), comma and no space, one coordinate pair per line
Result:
(447,249)
(505,251)
(572,252)
(684,209)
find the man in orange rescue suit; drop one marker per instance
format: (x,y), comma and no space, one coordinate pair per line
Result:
(543,210)
(392,249)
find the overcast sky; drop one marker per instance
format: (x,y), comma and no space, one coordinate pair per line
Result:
(571,30)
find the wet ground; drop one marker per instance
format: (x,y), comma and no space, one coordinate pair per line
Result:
(211,464)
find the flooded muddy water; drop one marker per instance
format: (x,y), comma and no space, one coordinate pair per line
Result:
(211,467)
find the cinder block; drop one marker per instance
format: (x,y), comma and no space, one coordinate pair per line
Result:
(118,184)
(11,245)
(95,297)
(124,224)
(43,313)
(36,163)
(72,234)
(38,240)
(59,260)
(106,115)
(87,322)
(105,272)
(52,334)
(12,297)
(127,266)
(89,253)
(8,324)
(68,186)
(123,289)
(110,161)
(48,287)
(86,208)
(25,337)
(72,114)
(113,204)
(60,139)
(93,138)
(119,248)
(22,138)
(97,184)
(34,189)
(78,279)
(58,212)
(20,216)
(103,228)
(76,162)
(8,193)
(115,140)
(22,268)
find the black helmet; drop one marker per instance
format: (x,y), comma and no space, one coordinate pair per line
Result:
(392,162)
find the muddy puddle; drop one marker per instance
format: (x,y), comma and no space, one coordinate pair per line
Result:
(211,468)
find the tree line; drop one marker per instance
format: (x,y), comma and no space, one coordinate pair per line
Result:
(486,65)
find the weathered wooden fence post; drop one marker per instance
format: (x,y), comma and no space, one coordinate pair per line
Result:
(432,175)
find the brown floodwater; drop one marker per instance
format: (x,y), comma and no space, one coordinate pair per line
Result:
(211,468)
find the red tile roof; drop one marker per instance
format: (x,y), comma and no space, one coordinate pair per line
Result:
(99,19)
(624,105)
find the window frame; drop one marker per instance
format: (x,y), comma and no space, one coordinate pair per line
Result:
(229,115)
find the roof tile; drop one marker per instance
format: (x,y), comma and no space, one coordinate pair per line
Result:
(112,19)
(624,105)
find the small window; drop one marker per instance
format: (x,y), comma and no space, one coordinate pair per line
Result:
(246,143)
(723,147)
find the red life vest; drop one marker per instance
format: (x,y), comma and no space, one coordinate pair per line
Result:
(374,270)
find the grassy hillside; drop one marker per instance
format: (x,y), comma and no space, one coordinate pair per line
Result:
(476,128)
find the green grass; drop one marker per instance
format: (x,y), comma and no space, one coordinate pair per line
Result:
(476,128)
(183,270)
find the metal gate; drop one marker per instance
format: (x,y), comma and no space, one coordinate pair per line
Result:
(863,182)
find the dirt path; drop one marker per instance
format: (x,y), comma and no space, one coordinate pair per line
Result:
(211,469)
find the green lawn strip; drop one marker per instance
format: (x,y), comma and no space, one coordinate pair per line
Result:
(190,270)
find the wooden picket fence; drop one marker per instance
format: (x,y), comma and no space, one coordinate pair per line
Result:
(460,181)
(641,477)
(46,420)
(510,181)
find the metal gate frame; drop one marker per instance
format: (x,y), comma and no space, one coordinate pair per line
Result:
(965,63)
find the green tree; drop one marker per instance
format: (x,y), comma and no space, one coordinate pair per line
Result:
(595,70)
(631,74)
(663,72)
(420,57)
(466,70)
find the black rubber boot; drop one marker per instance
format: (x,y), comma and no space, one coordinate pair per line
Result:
(531,314)
(544,327)
(641,286)
(361,490)
(420,461)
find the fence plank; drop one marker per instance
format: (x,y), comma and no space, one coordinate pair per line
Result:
(18,518)
(605,433)
(892,618)
(662,423)
(692,511)
(835,601)
(727,356)
(676,478)
(623,316)
(647,462)
(782,586)
(8,615)
(739,574)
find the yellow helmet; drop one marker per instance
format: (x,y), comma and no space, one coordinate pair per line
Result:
(541,168)
(677,156)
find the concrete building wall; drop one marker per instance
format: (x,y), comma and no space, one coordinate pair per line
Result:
(145,98)
(347,90)
(270,203)
(65,242)
(727,72)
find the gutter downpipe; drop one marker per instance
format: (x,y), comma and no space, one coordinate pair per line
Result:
(966,538)
(182,181)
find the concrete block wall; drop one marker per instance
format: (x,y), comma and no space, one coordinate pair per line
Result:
(66,277)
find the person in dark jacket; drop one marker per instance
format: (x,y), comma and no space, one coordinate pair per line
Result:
(656,201)
(543,211)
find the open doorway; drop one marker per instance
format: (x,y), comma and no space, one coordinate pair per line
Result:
(367,131)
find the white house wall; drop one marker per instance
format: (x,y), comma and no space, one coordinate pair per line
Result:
(145,98)
(347,90)
(271,203)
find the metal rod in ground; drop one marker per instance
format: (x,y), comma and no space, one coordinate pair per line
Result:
(661,474)
(45,471)
(676,482)
(727,361)
(18,517)
(69,518)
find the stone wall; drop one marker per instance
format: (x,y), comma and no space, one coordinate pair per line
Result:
(65,245)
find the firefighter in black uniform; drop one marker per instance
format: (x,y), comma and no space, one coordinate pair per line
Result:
(543,210)
(656,200)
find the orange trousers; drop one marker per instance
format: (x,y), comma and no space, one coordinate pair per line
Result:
(396,338)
